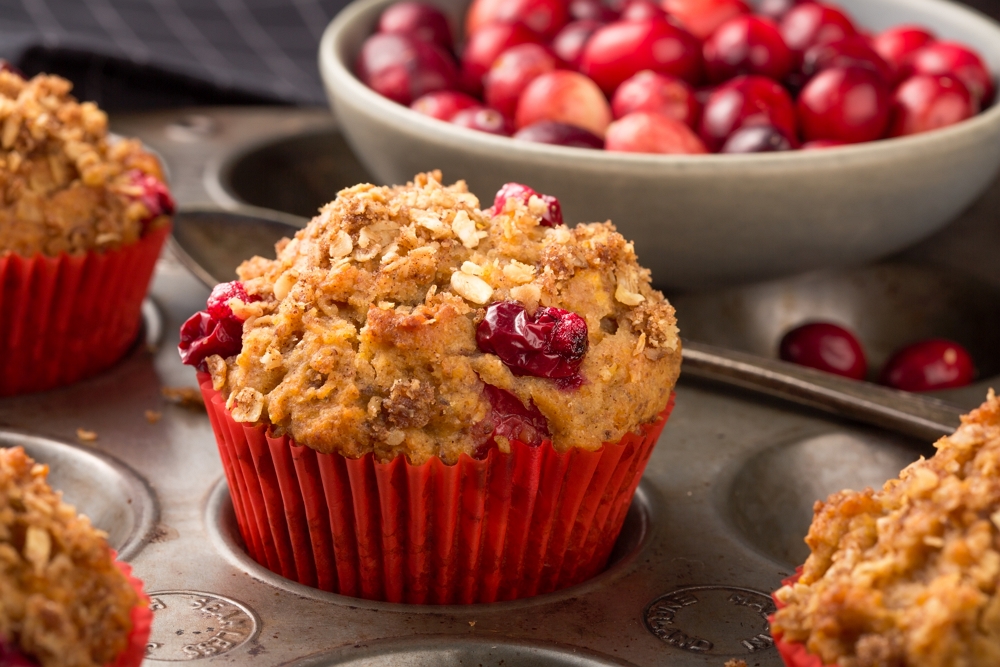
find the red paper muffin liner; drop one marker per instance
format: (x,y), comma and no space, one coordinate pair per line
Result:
(66,318)
(794,654)
(142,623)
(508,527)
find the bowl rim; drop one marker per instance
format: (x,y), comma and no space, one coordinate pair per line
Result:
(338,76)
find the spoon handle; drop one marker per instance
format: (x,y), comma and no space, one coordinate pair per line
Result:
(911,414)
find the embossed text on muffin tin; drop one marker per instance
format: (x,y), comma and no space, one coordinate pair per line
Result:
(190,625)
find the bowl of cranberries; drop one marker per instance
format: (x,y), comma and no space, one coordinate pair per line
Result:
(732,140)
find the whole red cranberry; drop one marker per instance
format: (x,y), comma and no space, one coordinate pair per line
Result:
(959,61)
(851,51)
(564,96)
(757,139)
(543,17)
(509,418)
(811,23)
(827,347)
(641,10)
(775,9)
(483,119)
(820,144)
(485,45)
(747,45)
(744,102)
(702,17)
(511,73)
(559,134)
(404,68)
(923,103)
(659,93)
(648,132)
(550,344)
(897,45)
(417,19)
(929,365)
(617,51)
(591,10)
(153,194)
(850,104)
(444,104)
(569,43)
(553,214)
(215,330)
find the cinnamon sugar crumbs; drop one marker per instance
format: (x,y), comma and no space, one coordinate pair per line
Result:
(83,435)
(186,397)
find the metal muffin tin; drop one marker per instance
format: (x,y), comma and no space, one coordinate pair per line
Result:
(716,523)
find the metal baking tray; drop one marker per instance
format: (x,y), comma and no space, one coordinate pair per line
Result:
(715,525)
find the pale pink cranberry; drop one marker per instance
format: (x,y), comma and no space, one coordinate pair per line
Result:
(511,73)
(659,93)
(814,23)
(404,68)
(559,134)
(551,343)
(820,144)
(569,43)
(747,45)
(543,17)
(443,104)
(851,51)
(959,61)
(757,139)
(702,17)
(567,97)
(591,10)
(923,103)
(775,9)
(417,19)
(619,50)
(929,365)
(826,347)
(483,119)
(897,45)
(641,10)
(485,45)
(552,217)
(647,132)
(743,102)
(850,104)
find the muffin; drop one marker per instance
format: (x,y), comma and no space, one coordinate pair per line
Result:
(82,220)
(907,575)
(471,394)
(66,602)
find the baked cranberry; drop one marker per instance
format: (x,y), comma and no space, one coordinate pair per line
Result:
(483,119)
(591,10)
(550,344)
(659,93)
(702,17)
(923,103)
(776,9)
(850,104)
(215,330)
(509,418)
(960,62)
(11,656)
(566,97)
(559,134)
(511,73)
(929,365)
(820,144)
(640,10)
(897,45)
(543,17)
(153,194)
(743,102)
(483,47)
(617,51)
(827,347)
(648,132)
(569,43)
(443,104)
(746,45)
(814,23)
(417,19)
(552,217)
(851,51)
(757,139)
(404,68)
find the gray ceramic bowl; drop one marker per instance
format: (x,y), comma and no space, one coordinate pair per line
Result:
(703,220)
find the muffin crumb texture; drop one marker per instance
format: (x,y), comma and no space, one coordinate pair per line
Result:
(364,337)
(63,600)
(907,576)
(67,186)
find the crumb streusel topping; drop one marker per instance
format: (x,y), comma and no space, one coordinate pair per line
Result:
(66,185)
(907,576)
(63,601)
(365,335)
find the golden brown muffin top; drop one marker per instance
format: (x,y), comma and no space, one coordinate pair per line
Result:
(365,337)
(63,601)
(66,185)
(907,576)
